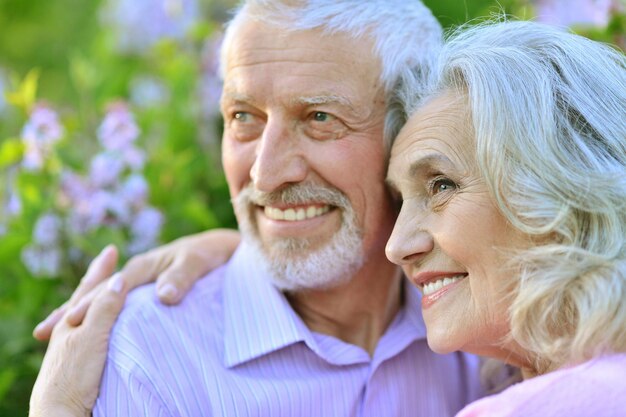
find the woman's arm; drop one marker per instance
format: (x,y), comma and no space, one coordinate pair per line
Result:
(69,379)
(67,384)
(175,267)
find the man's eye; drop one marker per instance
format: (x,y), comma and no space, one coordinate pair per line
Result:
(324,126)
(320,116)
(241,116)
(245,126)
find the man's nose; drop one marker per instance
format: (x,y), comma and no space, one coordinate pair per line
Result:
(409,241)
(279,158)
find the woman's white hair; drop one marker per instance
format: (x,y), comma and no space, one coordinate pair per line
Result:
(404,32)
(548,110)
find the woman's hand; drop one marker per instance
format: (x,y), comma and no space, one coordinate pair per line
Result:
(69,379)
(175,267)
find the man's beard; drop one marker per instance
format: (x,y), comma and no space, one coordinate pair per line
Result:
(293,263)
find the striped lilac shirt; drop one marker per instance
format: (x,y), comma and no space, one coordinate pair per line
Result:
(235,347)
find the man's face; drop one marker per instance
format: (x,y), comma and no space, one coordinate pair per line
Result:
(303,151)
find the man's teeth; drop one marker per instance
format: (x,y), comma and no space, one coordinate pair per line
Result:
(431,287)
(291,214)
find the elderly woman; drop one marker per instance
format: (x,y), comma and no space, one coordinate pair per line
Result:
(512,176)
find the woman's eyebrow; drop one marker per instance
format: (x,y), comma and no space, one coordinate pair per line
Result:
(428,163)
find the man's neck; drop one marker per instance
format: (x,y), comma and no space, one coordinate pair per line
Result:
(358,312)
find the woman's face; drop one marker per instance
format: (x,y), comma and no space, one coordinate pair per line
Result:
(450,238)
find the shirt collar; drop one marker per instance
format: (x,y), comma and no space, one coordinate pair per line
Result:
(257,317)
(407,328)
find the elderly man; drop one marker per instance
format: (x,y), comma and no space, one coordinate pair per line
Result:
(308,317)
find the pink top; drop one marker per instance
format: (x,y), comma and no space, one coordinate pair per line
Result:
(596,388)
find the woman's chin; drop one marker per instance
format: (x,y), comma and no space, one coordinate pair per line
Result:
(441,345)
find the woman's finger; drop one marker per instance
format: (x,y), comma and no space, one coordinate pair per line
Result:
(100,268)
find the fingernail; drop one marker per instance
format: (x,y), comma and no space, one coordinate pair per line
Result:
(106,249)
(52,316)
(39,327)
(167,292)
(116,283)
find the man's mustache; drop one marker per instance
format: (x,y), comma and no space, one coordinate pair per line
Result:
(295,194)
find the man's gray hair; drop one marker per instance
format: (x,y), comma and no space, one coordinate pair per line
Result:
(404,32)
(548,112)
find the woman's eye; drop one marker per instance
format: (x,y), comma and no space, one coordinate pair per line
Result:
(442,185)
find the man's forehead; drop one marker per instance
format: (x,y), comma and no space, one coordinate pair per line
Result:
(258,42)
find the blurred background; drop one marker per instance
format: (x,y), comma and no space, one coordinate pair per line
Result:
(110,133)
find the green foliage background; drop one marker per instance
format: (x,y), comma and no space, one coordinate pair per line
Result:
(80,72)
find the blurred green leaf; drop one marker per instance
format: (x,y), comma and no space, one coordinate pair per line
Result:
(83,73)
(11,151)
(7,377)
(26,93)
(198,212)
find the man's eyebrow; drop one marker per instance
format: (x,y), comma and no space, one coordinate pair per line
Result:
(324,99)
(235,96)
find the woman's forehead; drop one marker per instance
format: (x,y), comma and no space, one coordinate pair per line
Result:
(442,118)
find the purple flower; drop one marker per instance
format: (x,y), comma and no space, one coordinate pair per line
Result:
(145,230)
(47,230)
(135,190)
(140,244)
(119,209)
(89,213)
(96,209)
(77,222)
(211,82)
(14,204)
(139,24)
(39,133)
(575,12)
(106,169)
(33,159)
(73,186)
(147,222)
(118,129)
(134,158)
(11,205)
(43,127)
(3,87)
(148,92)
(42,261)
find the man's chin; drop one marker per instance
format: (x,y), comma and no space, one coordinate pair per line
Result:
(299,264)
(298,248)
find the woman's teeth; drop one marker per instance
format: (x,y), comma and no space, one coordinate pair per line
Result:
(431,287)
(291,214)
